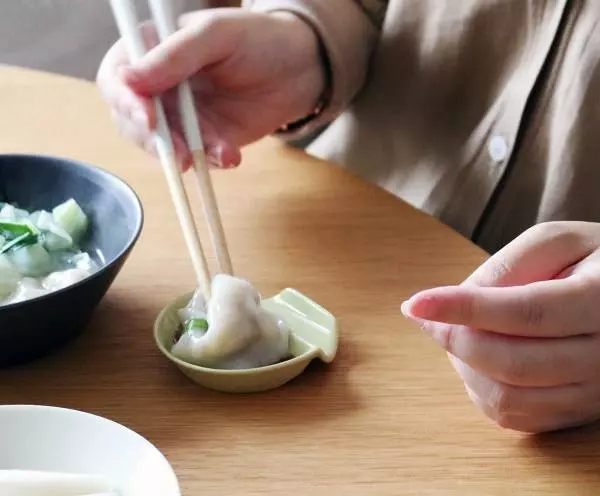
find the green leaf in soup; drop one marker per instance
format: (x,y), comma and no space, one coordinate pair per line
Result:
(10,230)
(17,235)
(19,242)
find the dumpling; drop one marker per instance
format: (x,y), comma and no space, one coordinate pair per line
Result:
(240,334)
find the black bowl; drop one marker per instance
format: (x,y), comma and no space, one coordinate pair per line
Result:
(34,328)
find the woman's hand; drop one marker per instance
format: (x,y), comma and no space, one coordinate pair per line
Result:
(250,74)
(523,331)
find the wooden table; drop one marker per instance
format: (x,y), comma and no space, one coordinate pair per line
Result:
(388,417)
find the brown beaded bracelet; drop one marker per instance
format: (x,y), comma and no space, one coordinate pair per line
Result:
(324,99)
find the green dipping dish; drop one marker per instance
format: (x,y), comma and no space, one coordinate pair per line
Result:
(314,334)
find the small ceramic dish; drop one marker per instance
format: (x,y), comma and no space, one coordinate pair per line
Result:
(314,334)
(51,440)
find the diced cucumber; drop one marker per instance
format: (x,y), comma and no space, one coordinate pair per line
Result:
(34,216)
(9,212)
(55,238)
(56,242)
(71,218)
(9,277)
(32,260)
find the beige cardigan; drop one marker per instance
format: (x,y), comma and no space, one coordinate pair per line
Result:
(483,113)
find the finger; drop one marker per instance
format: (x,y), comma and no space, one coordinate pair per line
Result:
(576,400)
(539,253)
(587,265)
(222,155)
(521,362)
(533,424)
(134,133)
(203,40)
(143,138)
(556,308)
(219,153)
(113,89)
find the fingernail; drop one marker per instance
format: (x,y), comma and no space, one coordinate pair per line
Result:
(222,158)
(404,308)
(214,162)
(186,162)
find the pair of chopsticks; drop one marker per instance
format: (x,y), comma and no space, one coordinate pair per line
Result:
(125,15)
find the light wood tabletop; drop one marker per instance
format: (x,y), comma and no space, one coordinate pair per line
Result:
(388,417)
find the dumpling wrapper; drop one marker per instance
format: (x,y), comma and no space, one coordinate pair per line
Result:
(40,483)
(241,334)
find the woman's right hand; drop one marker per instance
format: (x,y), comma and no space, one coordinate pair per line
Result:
(250,74)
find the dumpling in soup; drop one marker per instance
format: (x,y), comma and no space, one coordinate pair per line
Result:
(232,331)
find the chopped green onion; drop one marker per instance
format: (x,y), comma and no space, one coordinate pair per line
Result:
(196,325)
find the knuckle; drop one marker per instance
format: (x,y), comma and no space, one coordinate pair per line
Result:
(494,270)
(447,338)
(466,309)
(530,313)
(499,270)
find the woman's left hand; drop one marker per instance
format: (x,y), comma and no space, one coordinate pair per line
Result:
(523,331)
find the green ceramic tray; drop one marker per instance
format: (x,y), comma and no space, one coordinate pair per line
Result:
(314,334)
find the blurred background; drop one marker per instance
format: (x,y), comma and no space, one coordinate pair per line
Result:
(70,37)
(67,36)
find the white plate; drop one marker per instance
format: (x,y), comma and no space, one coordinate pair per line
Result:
(61,440)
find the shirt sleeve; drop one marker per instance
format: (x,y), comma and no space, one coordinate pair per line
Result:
(348,31)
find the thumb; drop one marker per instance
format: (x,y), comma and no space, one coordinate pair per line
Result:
(201,41)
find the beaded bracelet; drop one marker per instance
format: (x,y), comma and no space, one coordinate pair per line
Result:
(323,101)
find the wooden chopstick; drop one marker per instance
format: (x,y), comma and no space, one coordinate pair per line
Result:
(164,19)
(127,21)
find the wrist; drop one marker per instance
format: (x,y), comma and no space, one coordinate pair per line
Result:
(316,85)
